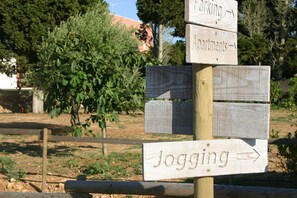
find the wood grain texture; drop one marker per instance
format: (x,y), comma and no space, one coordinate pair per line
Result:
(210,46)
(202,120)
(171,189)
(241,120)
(242,83)
(201,158)
(230,83)
(43,195)
(220,14)
(173,82)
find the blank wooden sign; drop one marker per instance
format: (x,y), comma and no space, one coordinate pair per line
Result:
(231,83)
(241,120)
(210,46)
(219,14)
(201,158)
(241,94)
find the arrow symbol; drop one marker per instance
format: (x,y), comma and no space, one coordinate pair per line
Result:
(248,156)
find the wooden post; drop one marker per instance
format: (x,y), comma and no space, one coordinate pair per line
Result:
(44,158)
(202,120)
(38,103)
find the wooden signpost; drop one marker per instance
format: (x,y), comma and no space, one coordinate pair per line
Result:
(203,158)
(225,101)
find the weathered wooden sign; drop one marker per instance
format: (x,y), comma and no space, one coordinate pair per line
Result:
(210,46)
(230,83)
(201,158)
(220,14)
(241,120)
(240,109)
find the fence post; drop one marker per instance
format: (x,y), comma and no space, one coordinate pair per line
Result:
(38,104)
(44,158)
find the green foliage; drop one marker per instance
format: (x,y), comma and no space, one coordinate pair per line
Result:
(24,23)
(8,167)
(289,154)
(89,61)
(177,53)
(290,58)
(72,163)
(275,22)
(274,134)
(252,50)
(166,12)
(116,165)
(292,95)
(275,93)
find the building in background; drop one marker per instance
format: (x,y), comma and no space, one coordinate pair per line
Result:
(147,41)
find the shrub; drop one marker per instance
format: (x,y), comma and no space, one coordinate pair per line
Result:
(7,167)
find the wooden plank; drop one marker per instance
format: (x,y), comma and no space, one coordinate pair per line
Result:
(201,158)
(132,188)
(56,138)
(242,83)
(220,14)
(42,195)
(230,83)
(18,131)
(168,117)
(242,120)
(169,82)
(210,46)
(174,189)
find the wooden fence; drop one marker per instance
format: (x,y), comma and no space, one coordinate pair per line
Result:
(136,188)
(59,138)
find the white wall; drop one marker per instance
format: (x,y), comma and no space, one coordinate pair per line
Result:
(5,81)
(8,82)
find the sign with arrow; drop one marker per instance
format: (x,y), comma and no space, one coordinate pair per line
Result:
(210,46)
(219,14)
(170,160)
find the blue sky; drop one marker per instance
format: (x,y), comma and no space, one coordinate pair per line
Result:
(125,8)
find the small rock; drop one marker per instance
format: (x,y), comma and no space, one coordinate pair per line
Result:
(12,180)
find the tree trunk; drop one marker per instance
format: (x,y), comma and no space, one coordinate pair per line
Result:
(160,42)
(74,120)
(104,145)
(283,39)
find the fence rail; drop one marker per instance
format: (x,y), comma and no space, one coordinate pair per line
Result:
(59,138)
(42,195)
(175,189)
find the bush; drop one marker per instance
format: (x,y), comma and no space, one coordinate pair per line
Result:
(289,154)
(275,93)
(7,167)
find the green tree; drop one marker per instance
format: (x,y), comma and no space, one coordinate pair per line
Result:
(273,22)
(23,23)
(252,50)
(290,59)
(177,53)
(161,14)
(89,61)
